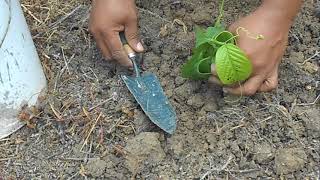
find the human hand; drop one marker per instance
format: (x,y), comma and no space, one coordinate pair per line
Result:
(110,17)
(265,54)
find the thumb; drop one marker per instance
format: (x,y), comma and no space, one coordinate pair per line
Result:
(131,32)
(270,83)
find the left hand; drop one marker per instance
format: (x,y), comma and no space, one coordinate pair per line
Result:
(265,54)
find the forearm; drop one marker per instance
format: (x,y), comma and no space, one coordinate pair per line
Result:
(284,8)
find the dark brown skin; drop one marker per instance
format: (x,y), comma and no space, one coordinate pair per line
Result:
(108,18)
(272,19)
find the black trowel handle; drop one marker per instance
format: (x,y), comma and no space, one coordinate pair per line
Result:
(130,52)
(126,46)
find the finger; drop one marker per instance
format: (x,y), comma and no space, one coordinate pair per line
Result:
(249,88)
(270,83)
(113,42)
(102,46)
(215,80)
(132,36)
(213,70)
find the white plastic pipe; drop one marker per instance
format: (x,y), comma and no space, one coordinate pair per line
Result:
(21,74)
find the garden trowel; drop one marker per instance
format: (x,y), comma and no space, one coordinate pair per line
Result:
(146,89)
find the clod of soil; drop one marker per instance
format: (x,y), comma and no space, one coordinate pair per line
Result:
(197,101)
(141,121)
(96,167)
(289,160)
(143,149)
(264,153)
(311,118)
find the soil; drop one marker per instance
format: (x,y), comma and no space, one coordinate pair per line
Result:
(270,135)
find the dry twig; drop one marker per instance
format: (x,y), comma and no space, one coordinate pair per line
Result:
(93,126)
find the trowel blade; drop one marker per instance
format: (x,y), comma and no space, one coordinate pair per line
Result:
(149,94)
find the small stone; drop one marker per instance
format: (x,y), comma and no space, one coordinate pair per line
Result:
(289,160)
(263,153)
(145,148)
(308,87)
(96,167)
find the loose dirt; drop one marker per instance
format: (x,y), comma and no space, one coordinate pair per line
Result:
(90,127)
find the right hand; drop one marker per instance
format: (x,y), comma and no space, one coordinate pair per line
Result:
(107,19)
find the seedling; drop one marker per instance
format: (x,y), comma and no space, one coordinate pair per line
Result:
(216,45)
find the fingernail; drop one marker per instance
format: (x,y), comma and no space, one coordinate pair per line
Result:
(139,47)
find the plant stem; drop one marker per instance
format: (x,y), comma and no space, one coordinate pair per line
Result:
(221,13)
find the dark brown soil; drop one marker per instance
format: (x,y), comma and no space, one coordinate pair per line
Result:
(271,135)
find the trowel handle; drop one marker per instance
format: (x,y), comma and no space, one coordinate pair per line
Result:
(126,46)
(130,52)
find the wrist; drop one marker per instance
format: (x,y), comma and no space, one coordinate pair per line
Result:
(284,11)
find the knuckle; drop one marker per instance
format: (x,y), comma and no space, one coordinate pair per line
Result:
(273,85)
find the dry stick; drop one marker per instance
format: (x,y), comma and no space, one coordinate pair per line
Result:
(57,114)
(65,61)
(241,171)
(62,70)
(32,15)
(309,104)
(313,56)
(7,139)
(100,104)
(217,169)
(59,21)
(78,159)
(95,123)
(6,159)
(116,124)
(154,14)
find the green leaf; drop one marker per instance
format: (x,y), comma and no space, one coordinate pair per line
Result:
(224,37)
(232,65)
(206,36)
(200,36)
(197,68)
